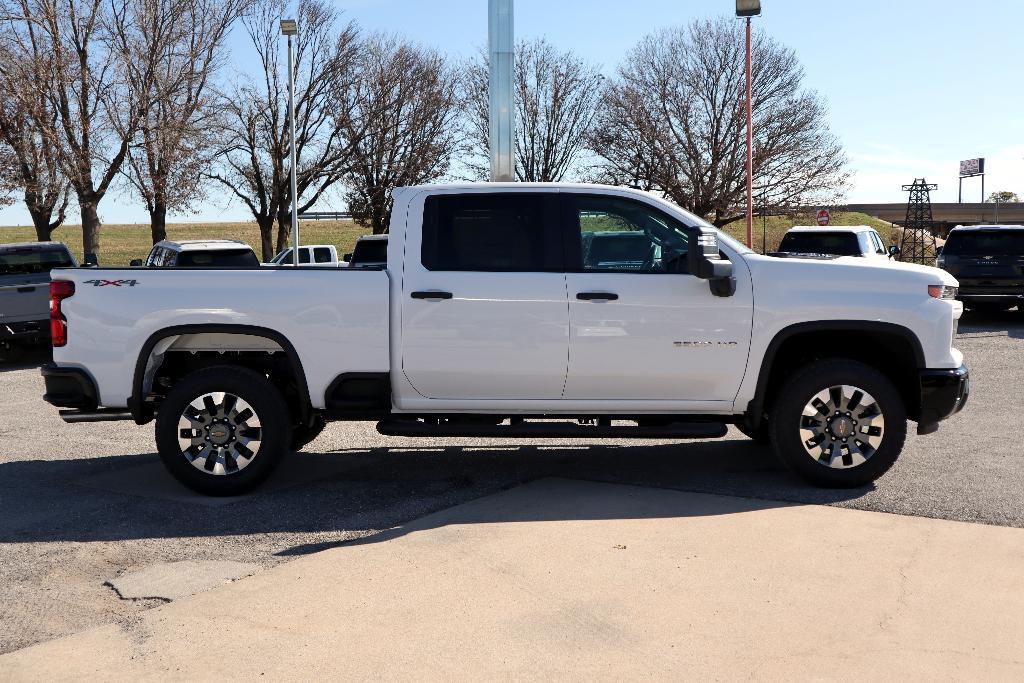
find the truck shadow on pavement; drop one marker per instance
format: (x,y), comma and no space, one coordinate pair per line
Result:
(351,493)
(975,323)
(24,359)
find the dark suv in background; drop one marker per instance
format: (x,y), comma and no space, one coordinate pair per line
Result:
(988,260)
(25,292)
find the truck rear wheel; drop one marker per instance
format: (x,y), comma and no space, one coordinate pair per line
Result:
(838,423)
(222,430)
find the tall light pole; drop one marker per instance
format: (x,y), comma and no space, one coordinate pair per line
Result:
(748,9)
(501,46)
(289,28)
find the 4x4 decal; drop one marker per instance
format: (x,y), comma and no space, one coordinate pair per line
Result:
(112,283)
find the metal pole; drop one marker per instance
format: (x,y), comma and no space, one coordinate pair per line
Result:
(982,188)
(291,154)
(500,86)
(750,149)
(960,193)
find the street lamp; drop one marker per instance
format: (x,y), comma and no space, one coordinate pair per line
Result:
(748,9)
(290,28)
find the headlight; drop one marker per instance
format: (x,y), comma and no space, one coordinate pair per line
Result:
(942,292)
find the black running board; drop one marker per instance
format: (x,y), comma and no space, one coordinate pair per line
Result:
(553,430)
(98,415)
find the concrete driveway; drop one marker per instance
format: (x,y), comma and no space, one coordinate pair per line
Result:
(572,580)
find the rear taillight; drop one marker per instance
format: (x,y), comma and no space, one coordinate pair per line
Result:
(59,290)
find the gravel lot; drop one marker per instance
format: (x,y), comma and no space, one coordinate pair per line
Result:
(80,504)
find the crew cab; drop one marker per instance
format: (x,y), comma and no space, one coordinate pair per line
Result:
(25,291)
(200,254)
(518,310)
(988,260)
(839,240)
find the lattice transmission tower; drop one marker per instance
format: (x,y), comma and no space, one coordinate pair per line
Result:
(918,242)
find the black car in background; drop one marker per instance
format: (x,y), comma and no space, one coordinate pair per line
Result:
(988,260)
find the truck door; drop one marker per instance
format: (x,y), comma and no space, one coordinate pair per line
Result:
(641,327)
(484,308)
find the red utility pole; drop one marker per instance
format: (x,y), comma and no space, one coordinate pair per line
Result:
(750,149)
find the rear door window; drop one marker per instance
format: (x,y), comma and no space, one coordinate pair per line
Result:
(507,232)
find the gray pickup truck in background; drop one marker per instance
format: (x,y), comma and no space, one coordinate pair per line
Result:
(25,292)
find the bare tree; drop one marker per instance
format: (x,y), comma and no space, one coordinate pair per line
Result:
(673,121)
(253,164)
(176,132)
(68,52)
(403,115)
(556,100)
(27,163)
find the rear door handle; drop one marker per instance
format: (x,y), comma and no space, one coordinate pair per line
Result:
(597,296)
(431,295)
(26,290)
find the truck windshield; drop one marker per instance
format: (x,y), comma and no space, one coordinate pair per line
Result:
(985,243)
(837,243)
(224,258)
(33,260)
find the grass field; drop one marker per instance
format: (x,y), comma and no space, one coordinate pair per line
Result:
(119,244)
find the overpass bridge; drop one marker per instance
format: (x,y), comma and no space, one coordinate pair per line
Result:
(946,215)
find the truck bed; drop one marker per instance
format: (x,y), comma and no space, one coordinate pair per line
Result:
(336,319)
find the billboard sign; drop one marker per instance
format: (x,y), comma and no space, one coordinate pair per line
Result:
(972,167)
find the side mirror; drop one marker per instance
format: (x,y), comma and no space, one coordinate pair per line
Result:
(705,262)
(135,262)
(894,251)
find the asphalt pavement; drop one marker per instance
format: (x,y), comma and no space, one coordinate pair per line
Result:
(84,504)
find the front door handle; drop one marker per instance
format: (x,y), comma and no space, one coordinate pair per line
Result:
(431,295)
(26,290)
(597,296)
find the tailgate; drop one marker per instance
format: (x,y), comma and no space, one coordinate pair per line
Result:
(24,297)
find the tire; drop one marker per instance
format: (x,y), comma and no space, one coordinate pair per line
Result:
(301,436)
(762,436)
(218,446)
(805,415)
(11,352)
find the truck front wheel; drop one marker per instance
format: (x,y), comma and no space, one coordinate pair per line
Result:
(222,430)
(838,423)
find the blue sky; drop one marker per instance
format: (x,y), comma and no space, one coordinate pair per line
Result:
(912,87)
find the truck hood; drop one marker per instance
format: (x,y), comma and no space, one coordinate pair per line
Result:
(868,273)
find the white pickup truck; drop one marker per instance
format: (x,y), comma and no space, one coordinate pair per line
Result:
(517,310)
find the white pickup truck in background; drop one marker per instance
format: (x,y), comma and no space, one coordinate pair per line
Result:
(319,255)
(518,310)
